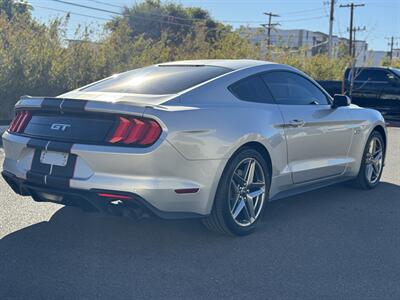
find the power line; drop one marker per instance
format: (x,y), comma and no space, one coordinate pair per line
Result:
(100,18)
(261,21)
(138,17)
(61,10)
(88,7)
(304,19)
(302,11)
(70,12)
(105,3)
(120,14)
(155,14)
(160,15)
(296,12)
(176,17)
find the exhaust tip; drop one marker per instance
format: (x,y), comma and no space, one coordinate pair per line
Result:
(115,196)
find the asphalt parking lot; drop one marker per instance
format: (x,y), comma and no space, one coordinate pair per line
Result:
(334,243)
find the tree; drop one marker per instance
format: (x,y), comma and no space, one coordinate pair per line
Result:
(153,19)
(11,8)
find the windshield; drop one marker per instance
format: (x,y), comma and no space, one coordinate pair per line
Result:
(157,80)
(396,71)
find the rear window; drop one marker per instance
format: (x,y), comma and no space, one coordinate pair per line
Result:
(157,80)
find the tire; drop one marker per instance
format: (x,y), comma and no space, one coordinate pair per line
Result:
(363,180)
(233,189)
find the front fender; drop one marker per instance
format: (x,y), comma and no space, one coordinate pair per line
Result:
(368,120)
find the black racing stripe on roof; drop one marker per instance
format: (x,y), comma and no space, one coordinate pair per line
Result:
(63,104)
(51,103)
(73,105)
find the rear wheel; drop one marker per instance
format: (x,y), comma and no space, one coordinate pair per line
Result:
(372,162)
(241,194)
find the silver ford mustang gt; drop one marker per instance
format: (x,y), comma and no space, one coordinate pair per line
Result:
(215,139)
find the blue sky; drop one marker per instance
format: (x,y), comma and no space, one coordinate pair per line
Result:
(381,17)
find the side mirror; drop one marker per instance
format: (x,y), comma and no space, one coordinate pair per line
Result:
(340,100)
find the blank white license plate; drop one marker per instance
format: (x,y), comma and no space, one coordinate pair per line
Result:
(54,158)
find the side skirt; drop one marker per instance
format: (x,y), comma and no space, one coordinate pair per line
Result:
(309,187)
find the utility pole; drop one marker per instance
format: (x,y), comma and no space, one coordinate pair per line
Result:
(269,26)
(331,19)
(355,30)
(391,45)
(352,6)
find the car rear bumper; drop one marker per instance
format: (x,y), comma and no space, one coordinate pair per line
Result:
(121,203)
(156,175)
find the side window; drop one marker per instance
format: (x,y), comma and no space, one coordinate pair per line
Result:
(379,75)
(291,89)
(252,89)
(371,75)
(361,75)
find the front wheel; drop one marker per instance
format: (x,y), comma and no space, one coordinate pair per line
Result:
(372,162)
(241,194)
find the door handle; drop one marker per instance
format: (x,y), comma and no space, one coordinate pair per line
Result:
(296,123)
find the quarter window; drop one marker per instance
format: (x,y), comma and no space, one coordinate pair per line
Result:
(252,89)
(292,89)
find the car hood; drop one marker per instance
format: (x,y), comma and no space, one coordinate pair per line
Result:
(121,98)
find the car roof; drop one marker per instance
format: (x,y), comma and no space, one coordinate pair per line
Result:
(234,64)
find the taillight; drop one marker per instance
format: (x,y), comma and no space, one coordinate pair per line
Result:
(20,121)
(135,131)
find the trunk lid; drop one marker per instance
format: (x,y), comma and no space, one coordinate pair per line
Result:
(70,127)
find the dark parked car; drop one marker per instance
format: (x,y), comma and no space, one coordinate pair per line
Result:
(374,87)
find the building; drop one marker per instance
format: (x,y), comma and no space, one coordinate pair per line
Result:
(295,39)
(312,42)
(375,58)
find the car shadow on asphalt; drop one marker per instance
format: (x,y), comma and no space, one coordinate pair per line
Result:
(338,228)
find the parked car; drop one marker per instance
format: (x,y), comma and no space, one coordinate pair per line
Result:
(374,87)
(214,139)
